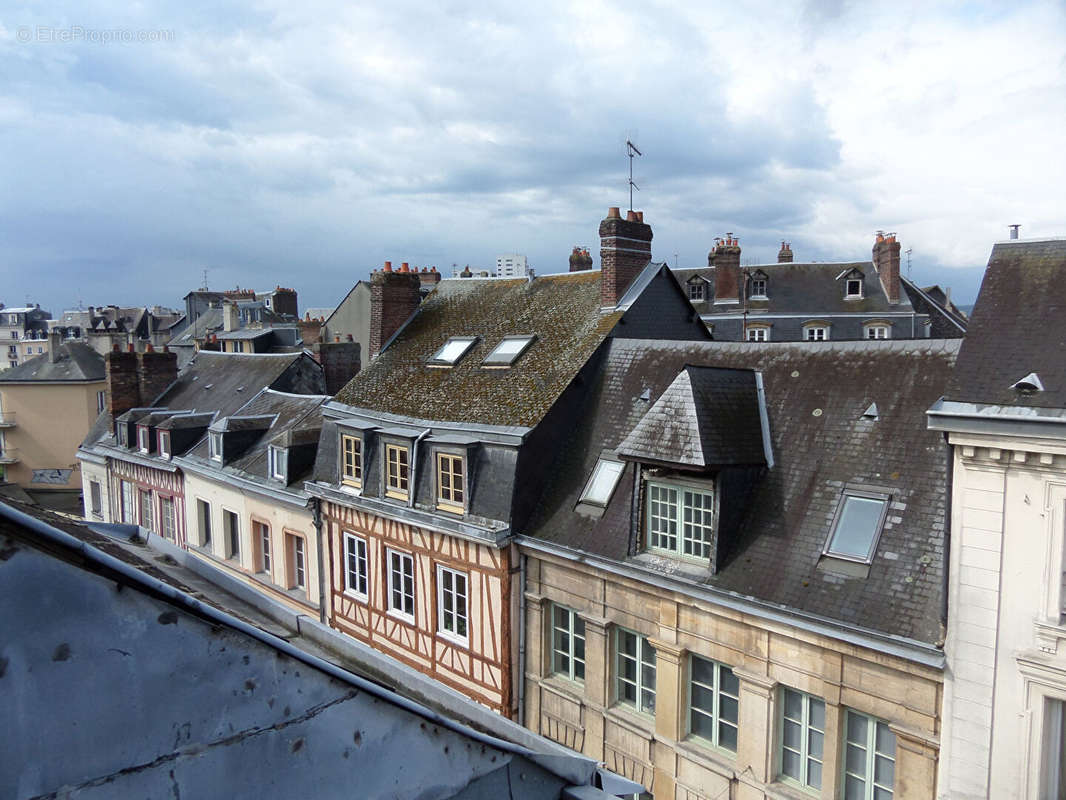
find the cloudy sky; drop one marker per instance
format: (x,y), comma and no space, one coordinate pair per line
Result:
(305,143)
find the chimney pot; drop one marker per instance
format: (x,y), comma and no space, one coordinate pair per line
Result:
(130,348)
(115,348)
(148,348)
(404,267)
(631,216)
(614,213)
(388,266)
(640,216)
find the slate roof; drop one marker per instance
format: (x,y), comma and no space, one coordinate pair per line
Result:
(816,393)
(561,310)
(209,321)
(707,417)
(1018,326)
(76,362)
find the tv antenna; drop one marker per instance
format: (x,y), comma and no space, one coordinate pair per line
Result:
(632,150)
(205,279)
(909,251)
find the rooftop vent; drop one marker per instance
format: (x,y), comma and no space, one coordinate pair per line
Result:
(871,412)
(1029,384)
(1014,231)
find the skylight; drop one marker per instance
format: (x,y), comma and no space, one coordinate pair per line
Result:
(857,527)
(601,485)
(508,351)
(453,350)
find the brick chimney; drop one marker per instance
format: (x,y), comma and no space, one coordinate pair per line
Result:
(429,277)
(394,296)
(625,249)
(580,259)
(284,301)
(231,316)
(340,362)
(886,262)
(784,255)
(725,258)
(155,372)
(120,381)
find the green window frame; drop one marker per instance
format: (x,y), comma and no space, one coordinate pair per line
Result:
(680,520)
(634,670)
(568,643)
(802,732)
(713,702)
(869,758)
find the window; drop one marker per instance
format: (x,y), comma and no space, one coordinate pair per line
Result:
(352,460)
(214,445)
(95,498)
(816,333)
(355,565)
(297,562)
(1053,749)
(869,758)
(713,701)
(451,603)
(278,459)
(758,334)
(166,518)
(857,526)
(758,287)
(127,503)
(261,533)
(396,475)
(695,291)
(453,350)
(12,350)
(203,520)
(142,439)
(508,351)
(674,510)
(232,529)
(164,444)
(854,287)
(450,482)
(401,584)
(802,737)
(634,670)
(603,482)
(146,510)
(568,643)
(877,332)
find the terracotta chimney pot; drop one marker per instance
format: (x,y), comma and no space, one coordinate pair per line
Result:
(149,349)
(640,216)
(614,213)
(130,348)
(631,216)
(116,348)
(388,266)
(404,267)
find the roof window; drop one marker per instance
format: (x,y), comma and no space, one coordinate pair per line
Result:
(508,351)
(454,349)
(603,482)
(857,526)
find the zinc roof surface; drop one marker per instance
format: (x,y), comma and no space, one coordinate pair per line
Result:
(76,362)
(816,394)
(563,311)
(1018,326)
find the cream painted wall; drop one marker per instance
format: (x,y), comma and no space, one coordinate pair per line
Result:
(283,519)
(657,750)
(51,420)
(95,472)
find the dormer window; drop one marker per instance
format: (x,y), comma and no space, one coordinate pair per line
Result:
(680,520)
(143,440)
(876,330)
(696,290)
(452,351)
(397,471)
(816,331)
(278,458)
(857,527)
(854,288)
(602,482)
(451,483)
(508,351)
(758,289)
(758,333)
(214,445)
(351,460)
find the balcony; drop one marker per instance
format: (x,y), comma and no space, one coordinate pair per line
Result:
(9,455)
(7,419)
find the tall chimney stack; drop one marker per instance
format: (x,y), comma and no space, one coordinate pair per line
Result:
(625,249)
(394,296)
(120,381)
(155,372)
(784,255)
(580,259)
(886,262)
(231,316)
(725,258)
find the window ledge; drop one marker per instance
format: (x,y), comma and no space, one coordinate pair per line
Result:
(451,509)
(674,565)
(560,684)
(778,790)
(641,723)
(451,638)
(399,616)
(700,750)
(354,595)
(1049,635)
(396,495)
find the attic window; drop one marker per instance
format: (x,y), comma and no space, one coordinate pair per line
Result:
(603,482)
(278,458)
(164,444)
(857,526)
(758,288)
(453,350)
(214,445)
(853,288)
(695,291)
(508,351)
(142,439)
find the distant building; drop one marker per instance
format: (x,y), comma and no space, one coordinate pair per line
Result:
(103,327)
(512,265)
(23,334)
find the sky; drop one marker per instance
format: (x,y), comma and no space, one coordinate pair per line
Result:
(303,144)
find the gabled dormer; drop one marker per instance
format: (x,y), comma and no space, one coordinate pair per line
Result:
(176,434)
(230,437)
(758,285)
(292,453)
(697,289)
(699,451)
(147,432)
(126,434)
(853,282)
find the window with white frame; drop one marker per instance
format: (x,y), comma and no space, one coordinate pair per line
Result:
(568,643)
(713,702)
(602,482)
(758,288)
(857,526)
(231,527)
(680,520)
(164,444)
(397,471)
(758,334)
(95,498)
(802,729)
(264,547)
(869,758)
(127,499)
(101,401)
(142,439)
(452,603)
(146,510)
(877,332)
(297,561)
(401,584)
(203,521)
(450,485)
(214,445)
(351,460)
(508,351)
(356,568)
(452,350)
(853,288)
(167,521)
(815,333)
(1051,749)
(278,462)
(696,291)
(634,670)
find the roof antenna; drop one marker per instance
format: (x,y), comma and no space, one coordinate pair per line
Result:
(909,251)
(205,279)
(631,150)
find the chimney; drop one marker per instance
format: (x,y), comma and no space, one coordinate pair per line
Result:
(429,277)
(725,258)
(625,249)
(1014,231)
(155,372)
(580,259)
(394,296)
(784,255)
(886,262)
(231,316)
(120,381)
(55,339)
(340,362)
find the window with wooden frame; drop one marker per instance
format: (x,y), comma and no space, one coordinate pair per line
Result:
(95,498)
(278,463)
(634,670)
(167,522)
(263,547)
(143,439)
(164,444)
(759,333)
(356,568)
(231,526)
(351,460)
(397,471)
(680,520)
(696,291)
(452,603)
(203,519)
(869,758)
(146,510)
(567,643)
(127,500)
(214,445)
(802,731)
(401,580)
(297,567)
(713,702)
(450,482)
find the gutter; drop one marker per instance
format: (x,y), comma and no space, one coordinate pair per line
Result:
(764,421)
(927,655)
(522,639)
(413,487)
(316,518)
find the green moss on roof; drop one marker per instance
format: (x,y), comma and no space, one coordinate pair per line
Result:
(563,311)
